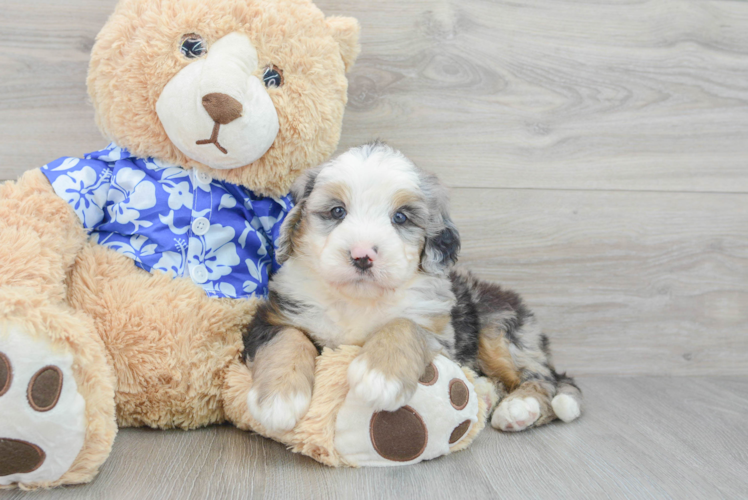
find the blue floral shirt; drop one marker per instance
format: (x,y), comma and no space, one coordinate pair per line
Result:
(174,220)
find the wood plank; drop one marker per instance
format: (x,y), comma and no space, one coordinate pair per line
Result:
(595,94)
(44,108)
(624,282)
(637,438)
(578,94)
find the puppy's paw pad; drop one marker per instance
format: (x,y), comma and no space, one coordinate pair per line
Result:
(278,412)
(516,414)
(375,388)
(566,407)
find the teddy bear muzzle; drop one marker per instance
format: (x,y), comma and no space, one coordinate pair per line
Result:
(216,110)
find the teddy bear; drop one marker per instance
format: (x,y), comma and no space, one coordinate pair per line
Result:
(128,276)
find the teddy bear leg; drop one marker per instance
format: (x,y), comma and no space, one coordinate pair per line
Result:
(56,386)
(57,413)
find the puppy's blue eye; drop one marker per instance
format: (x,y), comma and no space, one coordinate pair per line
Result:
(399,218)
(338,213)
(273,77)
(193,46)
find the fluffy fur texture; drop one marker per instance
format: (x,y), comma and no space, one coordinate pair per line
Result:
(369,252)
(41,236)
(314,434)
(155,348)
(138,53)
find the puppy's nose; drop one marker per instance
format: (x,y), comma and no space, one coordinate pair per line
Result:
(363,263)
(363,256)
(223,108)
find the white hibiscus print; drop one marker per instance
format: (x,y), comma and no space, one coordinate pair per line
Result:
(220,289)
(136,249)
(86,192)
(179,194)
(227,201)
(130,193)
(254,228)
(114,153)
(215,250)
(173,262)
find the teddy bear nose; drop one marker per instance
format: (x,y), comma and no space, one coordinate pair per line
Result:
(223,108)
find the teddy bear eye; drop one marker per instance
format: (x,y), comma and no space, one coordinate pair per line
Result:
(193,46)
(273,77)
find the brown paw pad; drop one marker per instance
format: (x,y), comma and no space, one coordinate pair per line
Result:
(19,457)
(45,388)
(400,435)
(459,394)
(6,374)
(459,431)
(430,375)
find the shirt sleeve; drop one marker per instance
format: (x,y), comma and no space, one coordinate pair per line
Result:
(272,212)
(83,184)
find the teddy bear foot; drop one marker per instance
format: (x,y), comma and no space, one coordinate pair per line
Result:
(442,416)
(42,414)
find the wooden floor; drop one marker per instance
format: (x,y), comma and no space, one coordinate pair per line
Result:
(663,437)
(598,155)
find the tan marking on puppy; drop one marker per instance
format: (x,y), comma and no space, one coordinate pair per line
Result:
(496,361)
(391,362)
(398,349)
(288,241)
(337,191)
(438,324)
(405,197)
(285,365)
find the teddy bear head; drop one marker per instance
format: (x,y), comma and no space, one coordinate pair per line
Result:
(250,91)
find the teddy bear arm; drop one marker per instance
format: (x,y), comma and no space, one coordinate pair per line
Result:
(41,236)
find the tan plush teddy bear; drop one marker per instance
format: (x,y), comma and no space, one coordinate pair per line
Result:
(127,277)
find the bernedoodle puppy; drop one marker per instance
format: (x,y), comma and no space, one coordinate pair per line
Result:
(369,253)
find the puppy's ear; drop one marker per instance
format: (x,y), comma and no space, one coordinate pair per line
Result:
(289,232)
(442,245)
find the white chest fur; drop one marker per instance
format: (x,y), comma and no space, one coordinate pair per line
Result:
(333,319)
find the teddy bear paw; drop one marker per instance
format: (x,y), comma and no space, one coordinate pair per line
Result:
(42,414)
(278,412)
(438,418)
(375,388)
(516,414)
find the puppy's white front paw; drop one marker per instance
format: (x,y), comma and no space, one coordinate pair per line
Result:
(566,407)
(375,388)
(516,414)
(278,412)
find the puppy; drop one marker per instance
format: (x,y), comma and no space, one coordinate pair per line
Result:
(369,253)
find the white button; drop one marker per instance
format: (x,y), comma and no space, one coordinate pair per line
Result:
(200,226)
(199,274)
(203,178)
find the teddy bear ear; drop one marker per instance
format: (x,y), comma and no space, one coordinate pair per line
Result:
(345,30)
